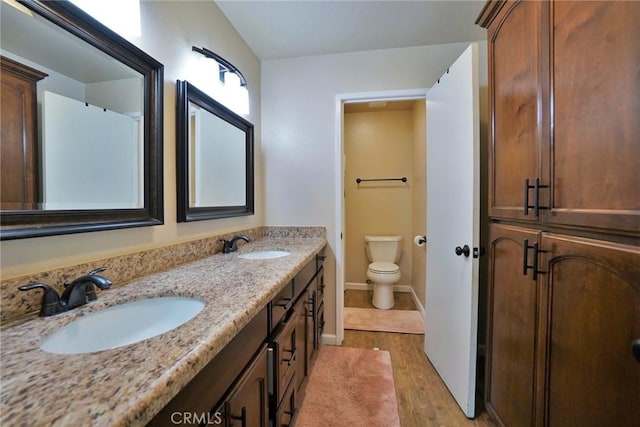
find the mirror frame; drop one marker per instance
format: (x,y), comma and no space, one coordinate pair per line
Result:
(187,92)
(26,224)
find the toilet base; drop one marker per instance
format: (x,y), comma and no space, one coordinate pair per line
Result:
(383,296)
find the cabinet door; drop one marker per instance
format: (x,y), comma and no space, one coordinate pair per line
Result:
(248,402)
(595,150)
(515,99)
(511,328)
(593,312)
(18,141)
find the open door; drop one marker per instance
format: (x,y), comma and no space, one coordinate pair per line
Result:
(453,224)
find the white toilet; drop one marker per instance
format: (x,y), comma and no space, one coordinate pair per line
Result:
(383,252)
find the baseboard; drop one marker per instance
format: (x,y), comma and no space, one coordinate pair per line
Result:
(330,339)
(358,286)
(369,287)
(396,288)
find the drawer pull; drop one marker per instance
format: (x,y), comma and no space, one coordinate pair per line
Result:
(286,305)
(292,359)
(242,417)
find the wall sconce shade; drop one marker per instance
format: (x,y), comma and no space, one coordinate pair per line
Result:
(225,66)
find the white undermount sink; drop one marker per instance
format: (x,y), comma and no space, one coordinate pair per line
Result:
(122,324)
(264,254)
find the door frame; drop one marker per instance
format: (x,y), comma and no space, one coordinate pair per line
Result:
(340,100)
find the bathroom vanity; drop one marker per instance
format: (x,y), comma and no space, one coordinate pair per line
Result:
(245,356)
(261,373)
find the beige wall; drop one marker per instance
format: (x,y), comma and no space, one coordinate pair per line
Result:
(419,199)
(377,145)
(169,30)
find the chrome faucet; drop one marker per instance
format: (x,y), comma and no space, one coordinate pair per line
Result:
(232,245)
(79,292)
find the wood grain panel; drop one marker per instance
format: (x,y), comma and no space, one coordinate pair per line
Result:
(594,315)
(514,44)
(512,328)
(595,154)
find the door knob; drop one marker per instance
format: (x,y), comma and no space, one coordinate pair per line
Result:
(465,250)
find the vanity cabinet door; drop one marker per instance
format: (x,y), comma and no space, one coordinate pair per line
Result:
(248,402)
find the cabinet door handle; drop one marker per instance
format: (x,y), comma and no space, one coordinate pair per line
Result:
(635,349)
(242,417)
(536,196)
(525,265)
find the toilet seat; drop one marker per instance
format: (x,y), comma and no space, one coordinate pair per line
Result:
(384,268)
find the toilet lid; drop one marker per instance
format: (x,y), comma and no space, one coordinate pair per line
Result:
(383,267)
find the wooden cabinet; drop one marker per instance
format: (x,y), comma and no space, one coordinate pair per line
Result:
(248,403)
(564,113)
(564,207)
(19,140)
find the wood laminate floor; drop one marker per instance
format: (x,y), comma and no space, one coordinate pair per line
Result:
(423,399)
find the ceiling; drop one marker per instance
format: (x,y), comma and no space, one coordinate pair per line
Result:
(276,29)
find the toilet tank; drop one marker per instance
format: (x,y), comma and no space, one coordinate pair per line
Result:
(383,248)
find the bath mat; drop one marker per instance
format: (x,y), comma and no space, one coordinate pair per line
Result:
(372,319)
(350,387)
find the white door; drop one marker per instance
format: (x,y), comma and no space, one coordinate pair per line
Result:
(453,222)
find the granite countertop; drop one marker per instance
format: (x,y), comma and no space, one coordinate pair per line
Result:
(129,385)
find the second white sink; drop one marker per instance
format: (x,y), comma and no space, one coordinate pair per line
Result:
(122,324)
(264,254)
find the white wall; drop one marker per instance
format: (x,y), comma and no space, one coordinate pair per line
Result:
(298,136)
(169,30)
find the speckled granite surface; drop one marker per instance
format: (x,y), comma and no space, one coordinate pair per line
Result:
(129,385)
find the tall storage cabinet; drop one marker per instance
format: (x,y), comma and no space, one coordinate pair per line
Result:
(564,207)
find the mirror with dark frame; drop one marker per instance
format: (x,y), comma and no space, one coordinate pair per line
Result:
(214,152)
(81,145)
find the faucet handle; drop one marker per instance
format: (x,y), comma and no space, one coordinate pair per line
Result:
(50,299)
(96,270)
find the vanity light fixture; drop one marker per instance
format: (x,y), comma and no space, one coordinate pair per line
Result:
(225,66)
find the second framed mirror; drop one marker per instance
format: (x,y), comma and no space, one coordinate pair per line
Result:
(214,158)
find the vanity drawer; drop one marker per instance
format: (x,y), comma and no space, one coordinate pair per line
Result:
(303,278)
(288,409)
(284,356)
(280,305)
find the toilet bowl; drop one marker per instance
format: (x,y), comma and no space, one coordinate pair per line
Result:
(383,252)
(383,275)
